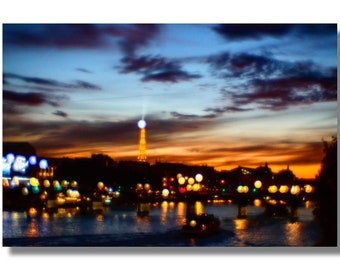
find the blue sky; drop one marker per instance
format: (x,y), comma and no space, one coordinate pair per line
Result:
(223,95)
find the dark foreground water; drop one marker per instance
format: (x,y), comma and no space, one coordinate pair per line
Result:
(121,226)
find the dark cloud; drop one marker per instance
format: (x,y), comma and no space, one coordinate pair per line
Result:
(38,82)
(133,36)
(222,110)
(53,35)
(60,113)
(84,85)
(170,76)
(156,69)
(245,65)
(52,136)
(30,99)
(191,116)
(278,94)
(129,37)
(274,84)
(84,70)
(236,32)
(18,102)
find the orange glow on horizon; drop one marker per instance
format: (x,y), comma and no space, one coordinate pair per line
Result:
(182,154)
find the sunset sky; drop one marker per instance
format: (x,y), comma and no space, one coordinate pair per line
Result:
(222,95)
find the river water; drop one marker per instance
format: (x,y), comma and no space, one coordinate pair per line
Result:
(121,226)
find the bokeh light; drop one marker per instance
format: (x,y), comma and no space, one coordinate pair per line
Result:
(43,164)
(199,177)
(32,160)
(258,184)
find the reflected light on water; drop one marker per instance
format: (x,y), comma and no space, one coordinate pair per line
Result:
(293,232)
(257,202)
(240,229)
(99,224)
(308,204)
(32,229)
(180,220)
(143,224)
(199,208)
(164,210)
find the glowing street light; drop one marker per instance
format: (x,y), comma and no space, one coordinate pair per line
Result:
(283,189)
(295,189)
(258,184)
(181,180)
(199,177)
(165,192)
(242,189)
(272,189)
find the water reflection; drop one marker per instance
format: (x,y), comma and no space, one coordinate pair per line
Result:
(293,234)
(164,210)
(240,230)
(99,225)
(32,229)
(143,223)
(180,217)
(252,229)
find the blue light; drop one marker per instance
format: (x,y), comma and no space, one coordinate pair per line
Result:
(10,158)
(43,164)
(33,160)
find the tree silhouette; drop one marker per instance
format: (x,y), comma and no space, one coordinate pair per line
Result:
(326,194)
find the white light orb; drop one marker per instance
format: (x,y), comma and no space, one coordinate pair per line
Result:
(165,192)
(141,124)
(199,177)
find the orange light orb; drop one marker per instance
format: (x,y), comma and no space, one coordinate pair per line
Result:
(295,190)
(139,186)
(32,212)
(15,181)
(257,203)
(24,191)
(283,189)
(193,223)
(272,189)
(100,185)
(147,186)
(309,188)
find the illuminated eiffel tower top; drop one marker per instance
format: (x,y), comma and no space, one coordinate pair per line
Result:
(142,141)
